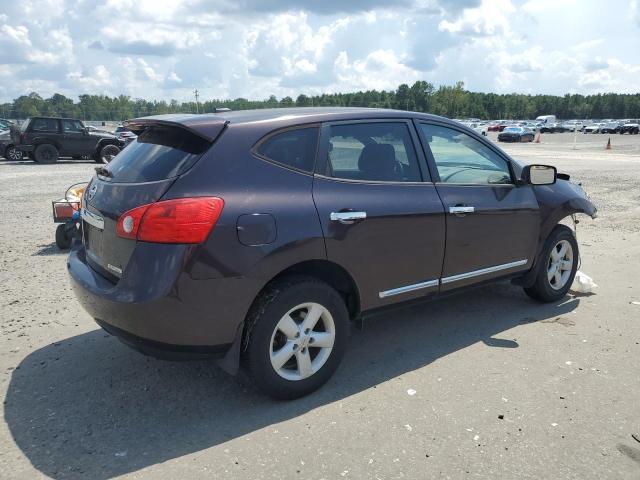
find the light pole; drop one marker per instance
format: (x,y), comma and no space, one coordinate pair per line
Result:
(197,94)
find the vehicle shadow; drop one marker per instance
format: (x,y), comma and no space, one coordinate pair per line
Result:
(50,249)
(89,407)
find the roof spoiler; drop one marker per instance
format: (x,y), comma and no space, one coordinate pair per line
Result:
(207,127)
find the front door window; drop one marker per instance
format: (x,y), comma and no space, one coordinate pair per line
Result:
(462,159)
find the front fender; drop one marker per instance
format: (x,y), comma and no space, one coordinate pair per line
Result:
(557,201)
(560,200)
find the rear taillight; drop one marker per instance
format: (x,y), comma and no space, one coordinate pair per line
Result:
(183,220)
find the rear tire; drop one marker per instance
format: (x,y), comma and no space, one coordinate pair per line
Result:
(280,354)
(46,154)
(557,266)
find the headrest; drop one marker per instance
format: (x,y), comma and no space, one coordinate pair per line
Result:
(378,162)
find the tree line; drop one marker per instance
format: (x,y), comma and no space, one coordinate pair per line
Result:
(452,101)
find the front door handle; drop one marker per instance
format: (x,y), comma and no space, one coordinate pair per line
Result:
(461,210)
(347,218)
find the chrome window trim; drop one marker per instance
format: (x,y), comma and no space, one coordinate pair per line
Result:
(483,271)
(408,288)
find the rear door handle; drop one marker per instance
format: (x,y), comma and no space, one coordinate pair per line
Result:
(347,218)
(461,210)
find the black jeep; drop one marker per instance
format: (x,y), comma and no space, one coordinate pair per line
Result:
(45,139)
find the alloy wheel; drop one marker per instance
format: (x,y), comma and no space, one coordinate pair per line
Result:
(14,154)
(560,264)
(302,341)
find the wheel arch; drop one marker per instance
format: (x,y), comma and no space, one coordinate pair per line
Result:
(329,272)
(332,274)
(47,141)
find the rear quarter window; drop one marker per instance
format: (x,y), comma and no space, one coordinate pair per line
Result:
(157,154)
(292,148)
(44,125)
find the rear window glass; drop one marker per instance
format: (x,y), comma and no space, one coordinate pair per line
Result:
(44,125)
(292,148)
(158,153)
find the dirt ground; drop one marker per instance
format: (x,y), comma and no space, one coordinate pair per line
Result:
(487,384)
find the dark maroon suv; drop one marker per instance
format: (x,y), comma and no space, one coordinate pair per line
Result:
(262,234)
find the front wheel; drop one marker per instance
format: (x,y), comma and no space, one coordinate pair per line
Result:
(296,337)
(557,266)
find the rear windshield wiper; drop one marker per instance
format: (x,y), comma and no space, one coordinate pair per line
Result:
(103,172)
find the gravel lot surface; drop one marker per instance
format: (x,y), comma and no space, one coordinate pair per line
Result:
(487,384)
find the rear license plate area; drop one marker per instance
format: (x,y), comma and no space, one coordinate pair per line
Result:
(93,240)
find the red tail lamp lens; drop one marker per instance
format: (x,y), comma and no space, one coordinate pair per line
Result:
(183,220)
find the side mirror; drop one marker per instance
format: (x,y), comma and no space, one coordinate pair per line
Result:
(539,175)
(85,130)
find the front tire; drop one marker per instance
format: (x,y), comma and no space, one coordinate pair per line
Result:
(557,266)
(297,334)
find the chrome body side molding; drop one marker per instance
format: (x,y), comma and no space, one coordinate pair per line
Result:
(453,278)
(408,288)
(483,271)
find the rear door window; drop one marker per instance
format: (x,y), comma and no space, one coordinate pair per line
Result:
(158,153)
(379,151)
(291,148)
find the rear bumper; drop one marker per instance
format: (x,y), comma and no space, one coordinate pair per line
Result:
(165,351)
(156,307)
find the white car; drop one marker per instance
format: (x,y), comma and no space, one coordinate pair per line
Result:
(593,128)
(481,128)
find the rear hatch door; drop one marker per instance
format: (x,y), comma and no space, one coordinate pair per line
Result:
(139,175)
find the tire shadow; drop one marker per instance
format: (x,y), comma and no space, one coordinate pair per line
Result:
(50,249)
(89,407)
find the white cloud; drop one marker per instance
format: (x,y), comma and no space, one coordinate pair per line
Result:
(254,48)
(490,18)
(380,69)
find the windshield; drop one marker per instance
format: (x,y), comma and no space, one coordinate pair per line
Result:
(157,154)
(513,129)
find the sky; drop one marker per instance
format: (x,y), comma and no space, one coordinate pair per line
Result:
(158,49)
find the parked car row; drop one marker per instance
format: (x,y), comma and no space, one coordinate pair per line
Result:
(631,126)
(549,124)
